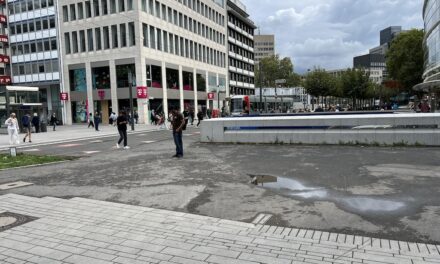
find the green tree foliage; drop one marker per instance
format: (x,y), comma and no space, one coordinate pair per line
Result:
(273,68)
(355,84)
(405,58)
(320,83)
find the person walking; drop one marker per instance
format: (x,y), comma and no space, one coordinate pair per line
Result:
(178,123)
(112,118)
(54,121)
(12,126)
(26,123)
(200,117)
(191,115)
(36,122)
(121,123)
(91,124)
(97,120)
(136,117)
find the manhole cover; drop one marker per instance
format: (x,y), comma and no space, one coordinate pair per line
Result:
(9,220)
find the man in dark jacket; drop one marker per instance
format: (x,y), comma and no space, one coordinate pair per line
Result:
(178,123)
(36,123)
(26,123)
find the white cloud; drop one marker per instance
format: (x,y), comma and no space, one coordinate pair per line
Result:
(329,33)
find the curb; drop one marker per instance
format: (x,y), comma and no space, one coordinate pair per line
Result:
(73,140)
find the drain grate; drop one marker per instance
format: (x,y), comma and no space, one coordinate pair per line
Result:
(12,185)
(10,220)
(262,219)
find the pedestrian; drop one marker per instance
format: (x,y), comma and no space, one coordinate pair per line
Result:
(121,123)
(26,123)
(178,123)
(36,122)
(424,107)
(12,125)
(200,117)
(91,124)
(112,118)
(54,121)
(97,120)
(191,116)
(136,116)
(208,113)
(186,116)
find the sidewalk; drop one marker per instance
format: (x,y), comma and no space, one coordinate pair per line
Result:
(71,133)
(87,231)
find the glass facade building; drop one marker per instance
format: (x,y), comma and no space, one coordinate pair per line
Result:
(431,16)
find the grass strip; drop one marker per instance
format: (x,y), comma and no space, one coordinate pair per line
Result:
(21,160)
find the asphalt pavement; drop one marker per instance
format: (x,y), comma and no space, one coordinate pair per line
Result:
(380,192)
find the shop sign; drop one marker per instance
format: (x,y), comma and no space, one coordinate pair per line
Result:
(4,59)
(142,92)
(5,79)
(3,19)
(64,96)
(101,94)
(4,39)
(211,96)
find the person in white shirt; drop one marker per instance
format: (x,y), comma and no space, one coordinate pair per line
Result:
(12,126)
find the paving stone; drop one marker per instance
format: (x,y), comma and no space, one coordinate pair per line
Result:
(49,253)
(78,259)
(185,253)
(224,260)
(217,251)
(43,260)
(263,259)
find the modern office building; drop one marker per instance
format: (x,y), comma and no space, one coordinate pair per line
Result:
(176,48)
(374,62)
(5,77)
(34,51)
(264,46)
(241,49)
(431,16)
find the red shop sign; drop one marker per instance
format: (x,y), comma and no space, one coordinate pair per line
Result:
(4,38)
(3,19)
(142,92)
(5,79)
(2,1)
(64,96)
(211,96)
(4,59)
(101,94)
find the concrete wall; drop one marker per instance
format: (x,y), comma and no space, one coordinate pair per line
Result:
(384,129)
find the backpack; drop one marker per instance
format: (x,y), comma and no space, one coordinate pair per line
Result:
(25,120)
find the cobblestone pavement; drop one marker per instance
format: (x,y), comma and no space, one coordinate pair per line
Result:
(81,230)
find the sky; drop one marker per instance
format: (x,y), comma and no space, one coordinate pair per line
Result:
(329,33)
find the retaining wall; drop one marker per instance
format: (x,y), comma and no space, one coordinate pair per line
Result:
(383,129)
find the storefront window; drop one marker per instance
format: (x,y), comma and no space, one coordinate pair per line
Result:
(122,72)
(154,75)
(101,78)
(78,80)
(188,81)
(79,112)
(201,83)
(172,79)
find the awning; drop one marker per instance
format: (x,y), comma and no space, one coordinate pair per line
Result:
(427,87)
(22,88)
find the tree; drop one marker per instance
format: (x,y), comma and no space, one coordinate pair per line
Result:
(320,83)
(405,59)
(355,84)
(273,68)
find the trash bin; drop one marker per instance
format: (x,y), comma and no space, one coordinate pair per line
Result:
(43,127)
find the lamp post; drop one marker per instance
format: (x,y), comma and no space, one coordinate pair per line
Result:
(130,84)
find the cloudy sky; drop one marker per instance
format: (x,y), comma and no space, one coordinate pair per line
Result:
(328,33)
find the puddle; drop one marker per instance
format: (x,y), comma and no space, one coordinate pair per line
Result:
(296,189)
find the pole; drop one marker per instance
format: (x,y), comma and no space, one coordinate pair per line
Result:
(130,84)
(261,86)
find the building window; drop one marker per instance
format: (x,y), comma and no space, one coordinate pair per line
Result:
(82,39)
(65,14)
(74,42)
(159,39)
(129,5)
(88,9)
(90,39)
(106,36)
(114,36)
(145,34)
(122,72)
(98,38)
(104,7)
(101,78)
(112,6)
(121,6)
(123,33)
(131,34)
(67,43)
(96,7)
(72,12)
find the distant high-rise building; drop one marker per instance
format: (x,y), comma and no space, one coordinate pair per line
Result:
(264,46)
(241,49)
(374,62)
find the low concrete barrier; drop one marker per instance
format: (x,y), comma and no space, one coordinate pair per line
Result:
(384,129)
